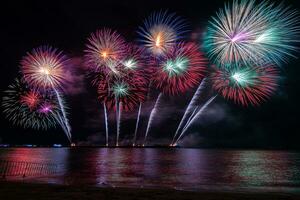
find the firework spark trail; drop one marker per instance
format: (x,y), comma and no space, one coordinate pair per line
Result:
(137,124)
(152,115)
(196,109)
(65,120)
(117,119)
(106,123)
(196,116)
(190,107)
(118,114)
(63,126)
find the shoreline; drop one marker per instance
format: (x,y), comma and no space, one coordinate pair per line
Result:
(32,191)
(146,147)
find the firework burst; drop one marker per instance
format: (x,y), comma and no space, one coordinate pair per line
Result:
(161,31)
(27,108)
(104,50)
(249,33)
(44,68)
(122,93)
(30,99)
(182,68)
(129,90)
(248,85)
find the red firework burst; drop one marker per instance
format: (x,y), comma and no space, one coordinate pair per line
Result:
(129,90)
(105,49)
(182,68)
(30,99)
(250,85)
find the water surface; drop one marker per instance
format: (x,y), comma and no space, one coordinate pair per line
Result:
(188,169)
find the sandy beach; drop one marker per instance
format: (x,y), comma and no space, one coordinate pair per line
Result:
(16,190)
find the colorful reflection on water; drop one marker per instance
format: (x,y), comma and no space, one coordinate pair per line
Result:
(163,167)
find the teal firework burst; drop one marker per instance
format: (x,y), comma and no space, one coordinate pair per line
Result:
(246,85)
(120,89)
(176,66)
(252,33)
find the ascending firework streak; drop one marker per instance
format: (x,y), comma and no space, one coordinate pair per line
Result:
(243,85)
(65,120)
(195,117)
(151,117)
(44,69)
(118,113)
(137,124)
(191,117)
(106,123)
(190,107)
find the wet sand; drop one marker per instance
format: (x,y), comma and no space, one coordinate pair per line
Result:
(24,191)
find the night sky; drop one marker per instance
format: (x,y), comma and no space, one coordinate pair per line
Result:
(66,25)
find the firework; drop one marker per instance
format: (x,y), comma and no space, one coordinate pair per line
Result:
(133,60)
(161,31)
(122,93)
(137,124)
(106,123)
(130,90)
(30,99)
(152,116)
(195,115)
(27,108)
(249,33)
(44,68)
(105,50)
(247,85)
(191,106)
(182,68)
(138,62)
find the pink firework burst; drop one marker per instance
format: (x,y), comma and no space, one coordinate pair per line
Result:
(46,107)
(104,50)
(182,68)
(248,85)
(44,68)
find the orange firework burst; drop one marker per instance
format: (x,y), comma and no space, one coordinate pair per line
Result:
(44,68)
(160,31)
(105,49)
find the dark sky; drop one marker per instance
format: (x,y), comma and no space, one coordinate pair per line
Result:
(66,25)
